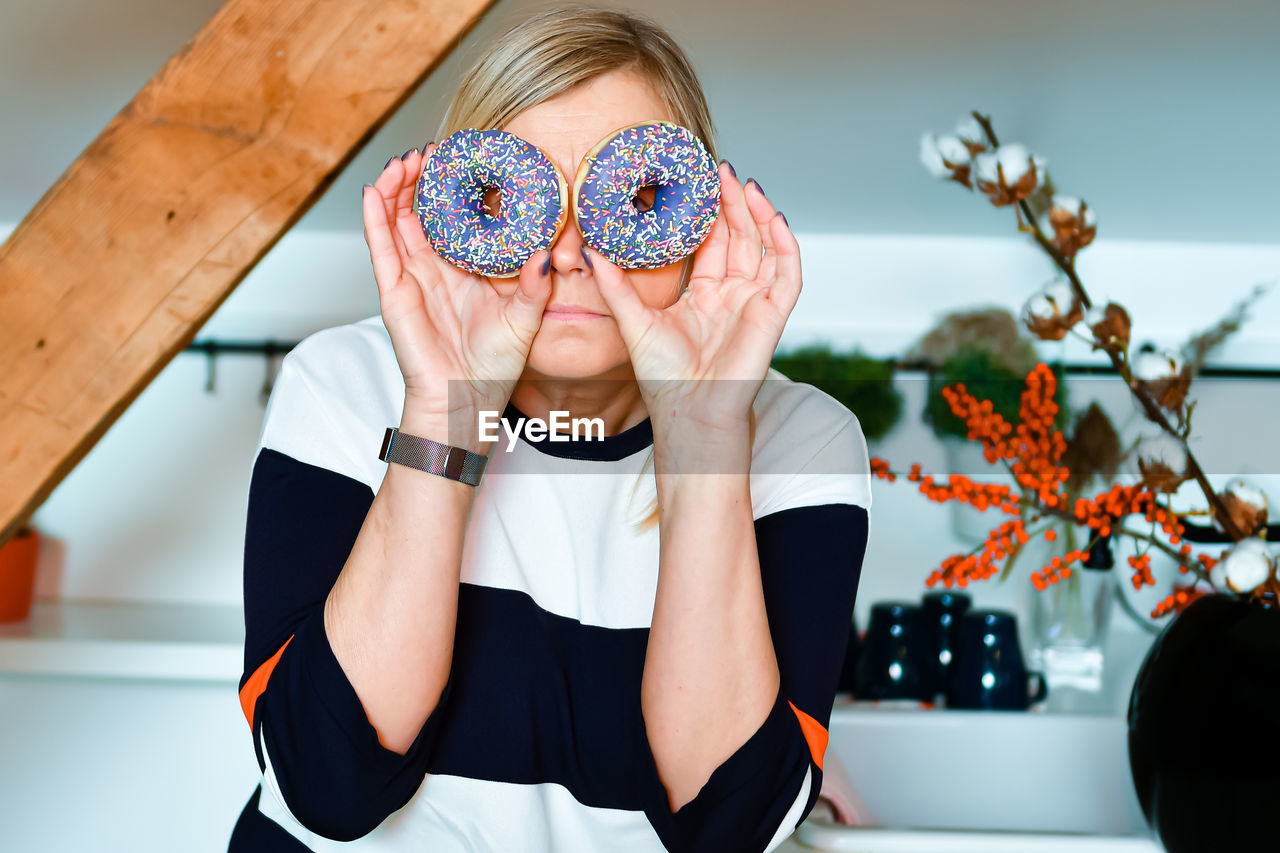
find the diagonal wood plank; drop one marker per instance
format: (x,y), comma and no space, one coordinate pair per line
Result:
(142,238)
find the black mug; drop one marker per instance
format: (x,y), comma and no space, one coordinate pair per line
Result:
(989,674)
(942,615)
(891,665)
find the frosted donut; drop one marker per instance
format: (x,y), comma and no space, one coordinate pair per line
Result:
(451,207)
(685,205)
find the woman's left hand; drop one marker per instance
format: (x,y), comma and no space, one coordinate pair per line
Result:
(703,358)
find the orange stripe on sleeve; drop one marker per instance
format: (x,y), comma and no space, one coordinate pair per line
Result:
(814,734)
(257,683)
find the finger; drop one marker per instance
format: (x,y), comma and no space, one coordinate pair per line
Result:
(628,309)
(408,225)
(388,185)
(743,258)
(785,289)
(524,308)
(710,258)
(387,265)
(762,211)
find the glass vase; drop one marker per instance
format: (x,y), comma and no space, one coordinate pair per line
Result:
(1069,623)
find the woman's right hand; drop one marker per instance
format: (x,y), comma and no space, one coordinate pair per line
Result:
(445,323)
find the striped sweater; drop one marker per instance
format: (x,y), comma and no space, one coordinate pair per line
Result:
(538,742)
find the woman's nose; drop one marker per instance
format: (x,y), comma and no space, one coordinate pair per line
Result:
(566,251)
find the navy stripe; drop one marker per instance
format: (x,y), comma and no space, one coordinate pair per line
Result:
(744,801)
(810,565)
(302,522)
(333,773)
(539,697)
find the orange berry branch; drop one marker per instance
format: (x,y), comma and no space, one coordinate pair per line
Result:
(1033,450)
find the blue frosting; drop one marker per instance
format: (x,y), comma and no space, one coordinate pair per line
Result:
(686,201)
(451,201)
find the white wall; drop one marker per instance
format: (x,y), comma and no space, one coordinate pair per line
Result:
(119,766)
(1161,113)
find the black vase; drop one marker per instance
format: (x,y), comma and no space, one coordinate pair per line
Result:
(1204,728)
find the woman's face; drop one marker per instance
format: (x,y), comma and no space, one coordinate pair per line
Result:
(572,344)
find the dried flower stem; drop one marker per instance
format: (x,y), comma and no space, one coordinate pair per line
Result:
(1149,406)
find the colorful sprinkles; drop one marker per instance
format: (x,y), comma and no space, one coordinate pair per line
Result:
(686,202)
(451,201)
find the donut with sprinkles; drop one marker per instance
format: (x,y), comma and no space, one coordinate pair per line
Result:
(459,225)
(686,200)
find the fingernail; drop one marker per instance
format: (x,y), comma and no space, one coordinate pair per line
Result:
(784,218)
(546,265)
(757,183)
(388,163)
(732,171)
(362,189)
(586,257)
(405,155)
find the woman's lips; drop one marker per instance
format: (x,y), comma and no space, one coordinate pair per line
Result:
(570,313)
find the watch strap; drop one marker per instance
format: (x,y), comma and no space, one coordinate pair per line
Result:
(455,463)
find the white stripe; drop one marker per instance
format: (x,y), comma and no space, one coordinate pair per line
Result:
(792,818)
(454,814)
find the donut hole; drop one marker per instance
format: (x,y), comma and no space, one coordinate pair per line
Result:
(645,198)
(492,201)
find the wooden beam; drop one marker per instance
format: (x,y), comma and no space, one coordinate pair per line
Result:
(126,257)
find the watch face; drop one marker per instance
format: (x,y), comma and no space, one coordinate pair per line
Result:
(453,463)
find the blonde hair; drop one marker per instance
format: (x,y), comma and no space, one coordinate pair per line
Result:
(564,46)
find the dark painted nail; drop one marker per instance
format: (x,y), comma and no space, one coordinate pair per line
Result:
(732,170)
(586,257)
(405,155)
(388,163)
(362,189)
(784,218)
(757,183)
(546,265)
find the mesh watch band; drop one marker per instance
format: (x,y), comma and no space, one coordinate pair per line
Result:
(456,463)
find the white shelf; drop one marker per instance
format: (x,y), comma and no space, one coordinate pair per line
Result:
(89,639)
(827,836)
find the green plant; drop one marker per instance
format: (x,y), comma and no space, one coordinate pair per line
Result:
(862,383)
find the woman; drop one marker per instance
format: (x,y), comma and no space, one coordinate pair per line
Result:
(527,664)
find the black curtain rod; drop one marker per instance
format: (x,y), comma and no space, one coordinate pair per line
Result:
(1105,369)
(213,346)
(273,347)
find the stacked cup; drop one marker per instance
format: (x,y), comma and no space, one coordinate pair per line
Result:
(942,650)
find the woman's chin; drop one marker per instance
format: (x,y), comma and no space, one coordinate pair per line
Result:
(559,368)
(573,357)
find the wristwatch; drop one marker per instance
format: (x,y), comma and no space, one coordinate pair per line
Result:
(456,463)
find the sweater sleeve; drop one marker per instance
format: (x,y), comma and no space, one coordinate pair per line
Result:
(810,563)
(319,754)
